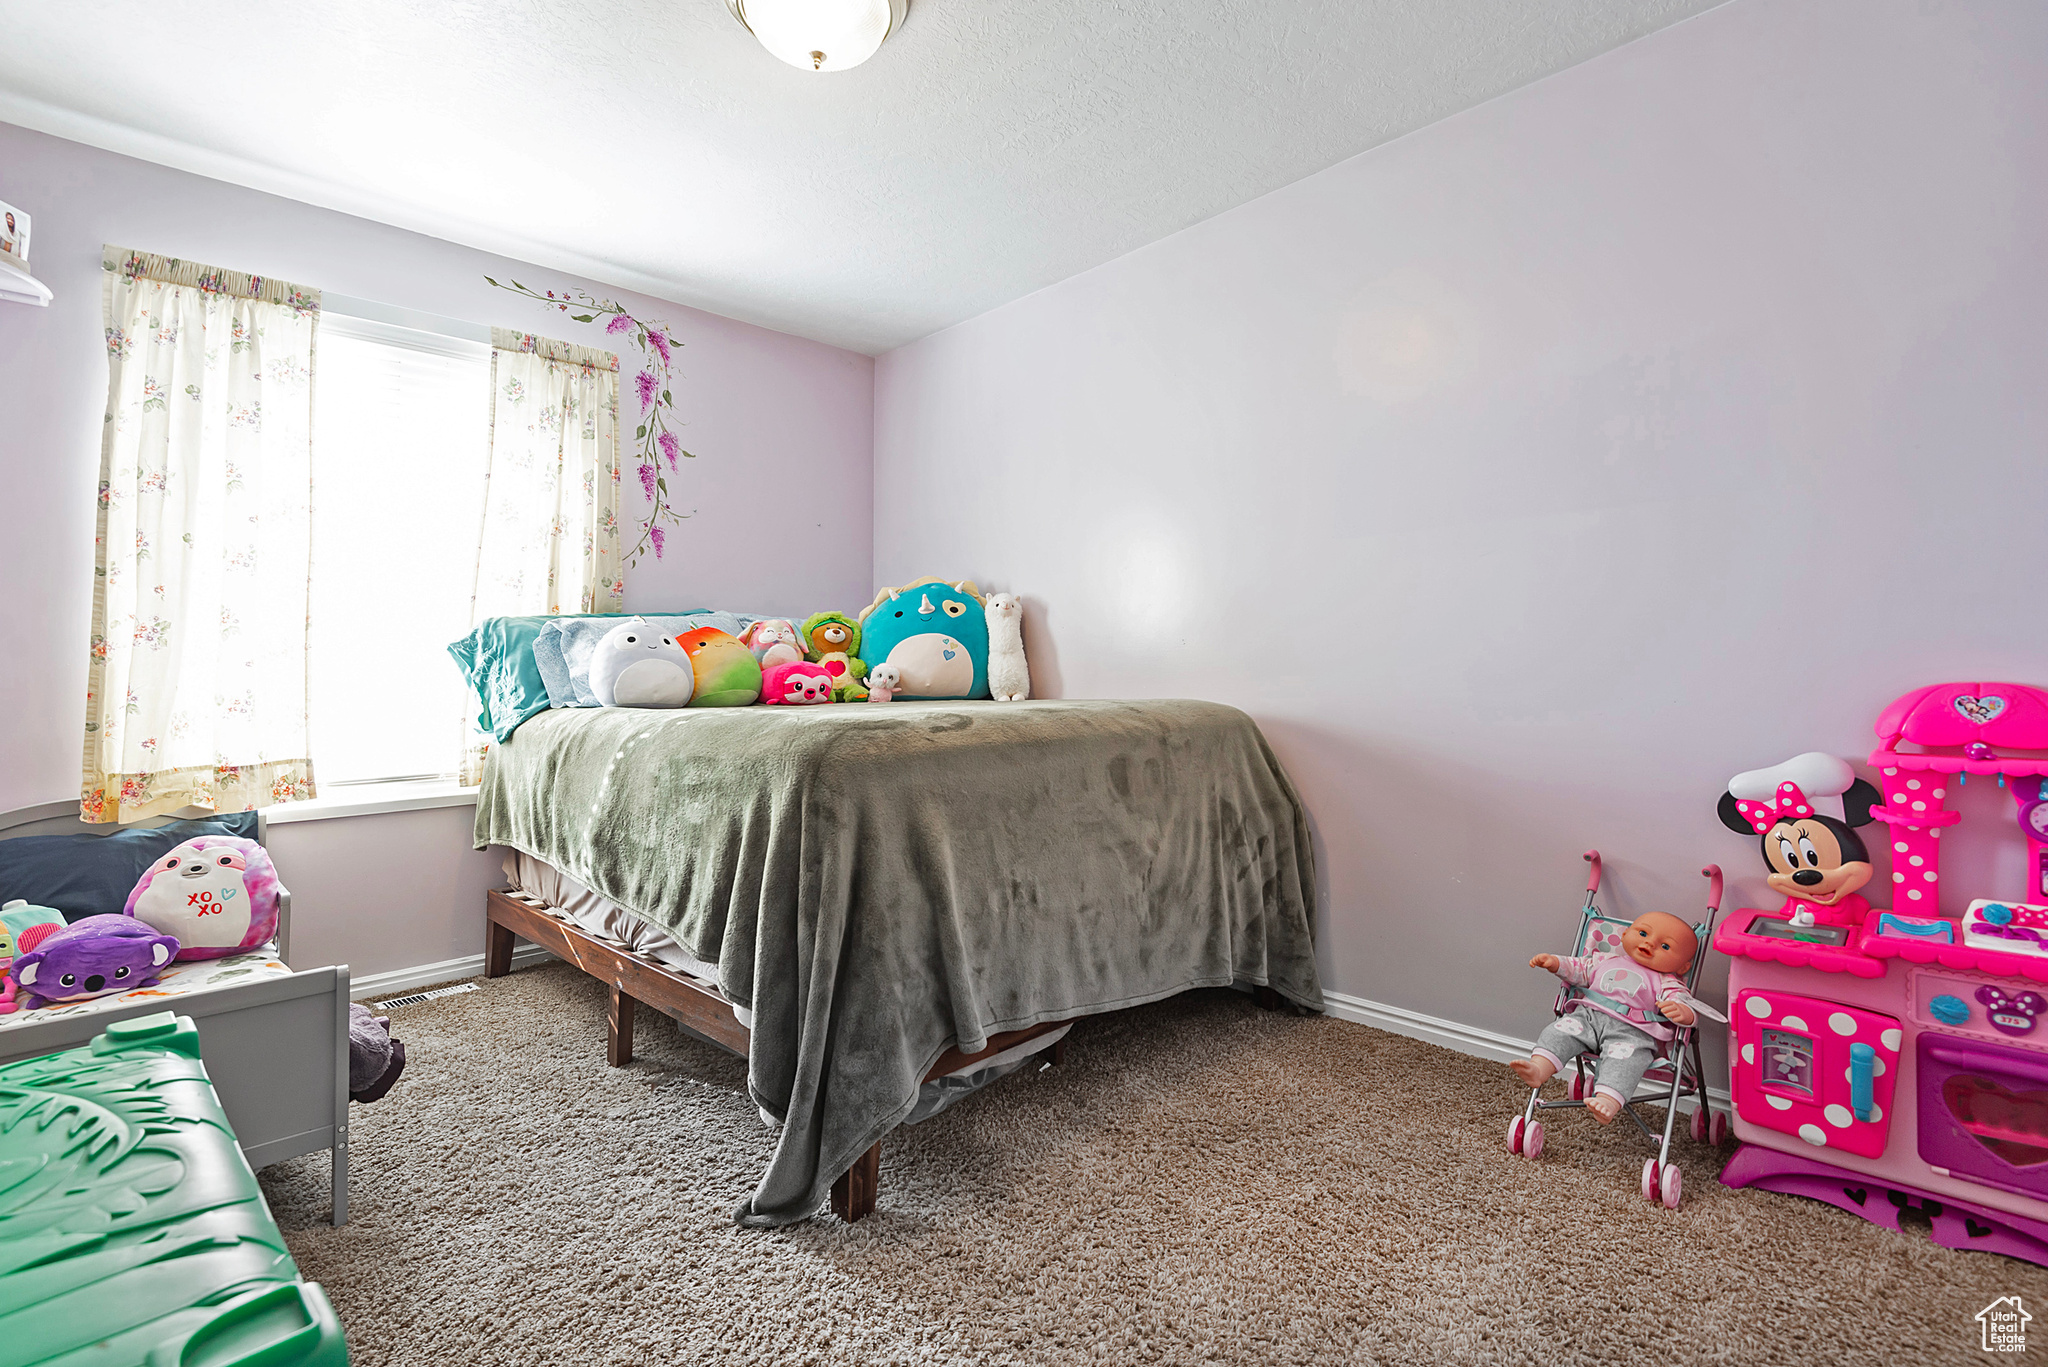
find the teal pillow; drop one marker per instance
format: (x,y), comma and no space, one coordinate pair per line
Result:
(497,661)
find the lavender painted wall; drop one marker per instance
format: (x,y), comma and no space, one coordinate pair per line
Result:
(1528,477)
(782,428)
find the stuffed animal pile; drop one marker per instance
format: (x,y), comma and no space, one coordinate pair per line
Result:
(928,638)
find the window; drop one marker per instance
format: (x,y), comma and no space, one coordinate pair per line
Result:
(400,446)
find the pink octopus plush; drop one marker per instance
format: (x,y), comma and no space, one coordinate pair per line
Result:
(216,893)
(798,685)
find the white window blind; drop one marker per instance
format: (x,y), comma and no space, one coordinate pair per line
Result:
(400,438)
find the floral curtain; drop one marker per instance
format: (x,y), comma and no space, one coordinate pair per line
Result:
(551,507)
(196,691)
(550,541)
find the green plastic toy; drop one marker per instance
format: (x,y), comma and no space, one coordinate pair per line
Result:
(132,1232)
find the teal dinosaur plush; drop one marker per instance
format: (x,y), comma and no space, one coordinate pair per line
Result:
(935,633)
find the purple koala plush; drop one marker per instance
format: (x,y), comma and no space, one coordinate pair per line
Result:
(90,958)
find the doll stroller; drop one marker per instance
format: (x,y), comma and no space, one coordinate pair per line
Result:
(1678,1069)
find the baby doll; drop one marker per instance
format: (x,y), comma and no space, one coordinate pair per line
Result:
(1628,999)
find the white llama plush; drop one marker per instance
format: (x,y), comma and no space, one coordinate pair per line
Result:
(1009,678)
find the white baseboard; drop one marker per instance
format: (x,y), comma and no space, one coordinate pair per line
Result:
(399,981)
(1455,1035)
(1466,1039)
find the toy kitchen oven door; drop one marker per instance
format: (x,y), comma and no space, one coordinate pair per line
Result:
(1982,1082)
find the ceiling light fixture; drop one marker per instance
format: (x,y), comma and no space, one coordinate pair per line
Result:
(821,35)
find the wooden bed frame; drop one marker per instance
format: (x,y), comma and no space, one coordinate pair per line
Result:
(635,978)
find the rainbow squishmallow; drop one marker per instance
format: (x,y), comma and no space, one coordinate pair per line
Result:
(935,633)
(727,673)
(216,893)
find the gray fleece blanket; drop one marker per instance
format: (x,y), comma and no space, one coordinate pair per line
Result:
(878,883)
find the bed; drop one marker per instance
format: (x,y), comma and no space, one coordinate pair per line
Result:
(274,1040)
(870,900)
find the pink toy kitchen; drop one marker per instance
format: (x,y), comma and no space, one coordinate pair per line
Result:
(1894,1062)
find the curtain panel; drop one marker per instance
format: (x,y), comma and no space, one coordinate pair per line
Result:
(550,540)
(196,687)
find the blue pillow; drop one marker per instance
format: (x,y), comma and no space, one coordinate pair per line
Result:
(92,875)
(497,660)
(563,648)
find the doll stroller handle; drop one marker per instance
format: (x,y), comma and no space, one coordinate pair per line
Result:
(1712,873)
(1593,879)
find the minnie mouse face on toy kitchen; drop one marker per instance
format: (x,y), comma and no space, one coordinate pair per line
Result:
(1817,861)
(1887,1060)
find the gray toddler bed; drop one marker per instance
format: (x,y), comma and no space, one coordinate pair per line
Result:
(276,1047)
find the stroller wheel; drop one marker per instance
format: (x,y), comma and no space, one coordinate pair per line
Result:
(1697,1125)
(1515,1135)
(1672,1187)
(1717,1132)
(1649,1179)
(1576,1088)
(1532,1140)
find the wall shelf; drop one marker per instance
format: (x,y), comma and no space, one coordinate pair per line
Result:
(17,286)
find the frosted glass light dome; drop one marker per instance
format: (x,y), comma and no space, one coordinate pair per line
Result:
(820,35)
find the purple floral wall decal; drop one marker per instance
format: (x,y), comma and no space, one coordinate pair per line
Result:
(655,441)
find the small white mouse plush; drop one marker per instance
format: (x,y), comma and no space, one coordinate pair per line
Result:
(1009,678)
(636,666)
(883,681)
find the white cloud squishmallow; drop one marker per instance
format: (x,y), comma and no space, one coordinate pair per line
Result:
(636,666)
(216,893)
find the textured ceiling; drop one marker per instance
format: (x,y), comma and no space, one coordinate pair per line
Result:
(992,147)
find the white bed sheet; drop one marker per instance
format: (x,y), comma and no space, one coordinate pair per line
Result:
(590,910)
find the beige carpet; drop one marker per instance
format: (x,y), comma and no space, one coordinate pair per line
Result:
(1203,1182)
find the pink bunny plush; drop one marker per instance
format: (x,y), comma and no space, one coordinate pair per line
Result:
(217,894)
(774,641)
(798,685)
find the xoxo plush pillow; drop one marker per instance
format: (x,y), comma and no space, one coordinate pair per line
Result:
(216,894)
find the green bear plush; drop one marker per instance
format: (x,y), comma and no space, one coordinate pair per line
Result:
(832,639)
